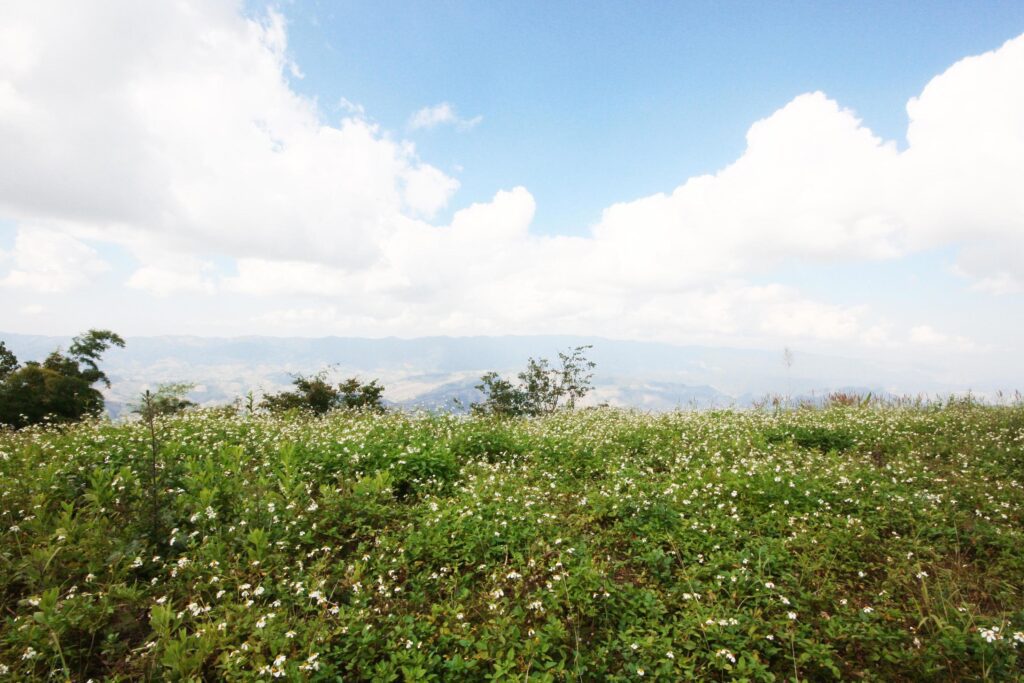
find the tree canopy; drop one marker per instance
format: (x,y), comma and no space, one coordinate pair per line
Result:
(61,387)
(542,388)
(168,399)
(316,394)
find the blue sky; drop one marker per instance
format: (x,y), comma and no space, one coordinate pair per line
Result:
(835,177)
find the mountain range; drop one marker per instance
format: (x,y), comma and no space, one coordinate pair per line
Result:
(432,372)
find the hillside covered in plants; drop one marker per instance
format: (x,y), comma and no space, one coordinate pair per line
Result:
(853,542)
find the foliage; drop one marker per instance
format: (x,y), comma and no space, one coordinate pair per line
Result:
(542,389)
(319,396)
(502,398)
(168,399)
(8,361)
(592,545)
(356,395)
(61,387)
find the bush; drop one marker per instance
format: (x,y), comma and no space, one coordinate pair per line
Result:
(542,389)
(318,396)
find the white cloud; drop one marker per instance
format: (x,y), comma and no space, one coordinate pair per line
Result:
(33,309)
(928,336)
(965,162)
(812,184)
(178,119)
(173,129)
(351,107)
(175,275)
(45,260)
(441,114)
(815,185)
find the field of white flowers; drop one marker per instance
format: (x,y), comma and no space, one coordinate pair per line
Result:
(871,543)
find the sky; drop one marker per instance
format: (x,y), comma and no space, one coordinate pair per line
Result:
(832,177)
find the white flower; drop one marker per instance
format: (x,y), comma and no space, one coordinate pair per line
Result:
(991,634)
(792,616)
(311,663)
(29,653)
(868,610)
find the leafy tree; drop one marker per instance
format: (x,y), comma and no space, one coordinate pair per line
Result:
(361,396)
(318,395)
(168,399)
(501,397)
(87,349)
(542,389)
(60,388)
(8,361)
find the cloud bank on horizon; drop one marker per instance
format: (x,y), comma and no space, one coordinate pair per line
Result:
(174,133)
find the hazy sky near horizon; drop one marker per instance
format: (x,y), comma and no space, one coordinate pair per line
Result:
(833,177)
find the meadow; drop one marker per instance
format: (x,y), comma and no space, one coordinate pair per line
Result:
(863,542)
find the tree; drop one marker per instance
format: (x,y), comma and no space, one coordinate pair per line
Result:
(542,389)
(87,349)
(501,397)
(60,388)
(355,395)
(316,394)
(168,399)
(8,361)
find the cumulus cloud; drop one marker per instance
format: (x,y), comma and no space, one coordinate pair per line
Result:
(928,336)
(441,114)
(46,260)
(178,119)
(174,274)
(174,128)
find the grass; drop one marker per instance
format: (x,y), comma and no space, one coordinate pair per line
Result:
(859,542)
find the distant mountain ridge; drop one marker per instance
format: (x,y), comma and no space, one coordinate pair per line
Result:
(430,372)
